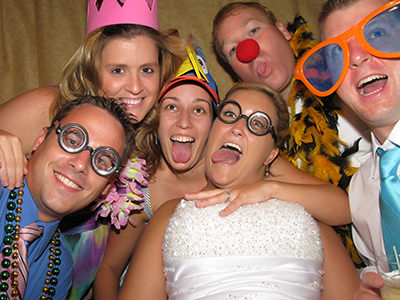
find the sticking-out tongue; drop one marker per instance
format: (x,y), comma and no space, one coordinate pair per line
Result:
(374,87)
(226,155)
(181,152)
(262,69)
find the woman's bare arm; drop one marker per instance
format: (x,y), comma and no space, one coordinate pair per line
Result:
(21,120)
(145,278)
(341,279)
(326,202)
(119,249)
(25,115)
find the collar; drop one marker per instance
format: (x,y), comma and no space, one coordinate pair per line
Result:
(392,141)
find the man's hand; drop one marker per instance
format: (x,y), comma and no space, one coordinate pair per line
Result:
(12,161)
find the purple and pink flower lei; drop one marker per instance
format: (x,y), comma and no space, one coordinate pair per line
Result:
(125,195)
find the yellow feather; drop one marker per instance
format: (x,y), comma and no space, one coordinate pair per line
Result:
(191,63)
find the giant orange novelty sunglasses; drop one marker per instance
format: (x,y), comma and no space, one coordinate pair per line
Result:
(323,68)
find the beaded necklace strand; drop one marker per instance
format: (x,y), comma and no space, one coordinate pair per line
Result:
(10,252)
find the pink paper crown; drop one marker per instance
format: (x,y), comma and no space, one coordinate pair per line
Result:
(142,12)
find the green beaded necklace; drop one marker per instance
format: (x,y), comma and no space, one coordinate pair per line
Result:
(10,252)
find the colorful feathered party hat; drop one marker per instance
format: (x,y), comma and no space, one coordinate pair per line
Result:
(194,70)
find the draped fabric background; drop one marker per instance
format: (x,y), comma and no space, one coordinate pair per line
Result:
(37,37)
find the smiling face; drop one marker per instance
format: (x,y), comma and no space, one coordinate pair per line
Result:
(274,65)
(61,182)
(372,85)
(185,120)
(233,154)
(129,71)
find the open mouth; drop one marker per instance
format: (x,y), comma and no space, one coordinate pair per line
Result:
(229,153)
(182,148)
(372,84)
(67,182)
(262,69)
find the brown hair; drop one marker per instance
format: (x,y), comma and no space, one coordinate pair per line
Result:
(331,6)
(146,141)
(282,114)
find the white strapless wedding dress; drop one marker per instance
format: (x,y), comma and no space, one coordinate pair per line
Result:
(268,250)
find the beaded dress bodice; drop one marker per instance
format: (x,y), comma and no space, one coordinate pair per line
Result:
(266,249)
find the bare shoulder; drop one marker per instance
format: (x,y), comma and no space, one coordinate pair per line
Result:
(333,246)
(331,241)
(165,211)
(161,217)
(324,229)
(328,234)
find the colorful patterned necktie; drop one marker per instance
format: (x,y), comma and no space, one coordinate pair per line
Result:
(26,236)
(389,201)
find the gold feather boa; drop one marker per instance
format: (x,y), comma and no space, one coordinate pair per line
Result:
(313,142)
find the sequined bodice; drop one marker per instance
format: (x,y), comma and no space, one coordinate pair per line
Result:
(255,242)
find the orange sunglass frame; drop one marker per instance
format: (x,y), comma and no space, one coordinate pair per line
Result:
(357,32)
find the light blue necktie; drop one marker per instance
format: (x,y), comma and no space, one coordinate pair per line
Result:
(390,198)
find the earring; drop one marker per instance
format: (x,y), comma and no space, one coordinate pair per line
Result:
(156,140)
(266,171)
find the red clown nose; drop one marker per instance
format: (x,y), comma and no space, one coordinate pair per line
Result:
(247,50)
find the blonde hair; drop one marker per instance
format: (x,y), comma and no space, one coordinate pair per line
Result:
(80,76)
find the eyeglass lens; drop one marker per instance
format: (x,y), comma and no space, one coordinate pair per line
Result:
(382,32)
(258,122)
(325,66)
(73,139)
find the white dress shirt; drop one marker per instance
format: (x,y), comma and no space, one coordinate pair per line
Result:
(364,201)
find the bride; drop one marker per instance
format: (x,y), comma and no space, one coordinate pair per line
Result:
(270,250)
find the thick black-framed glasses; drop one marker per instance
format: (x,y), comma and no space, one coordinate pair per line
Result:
(258,123)
(73,138)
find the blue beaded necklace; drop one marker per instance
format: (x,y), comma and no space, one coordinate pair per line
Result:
(11,254)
